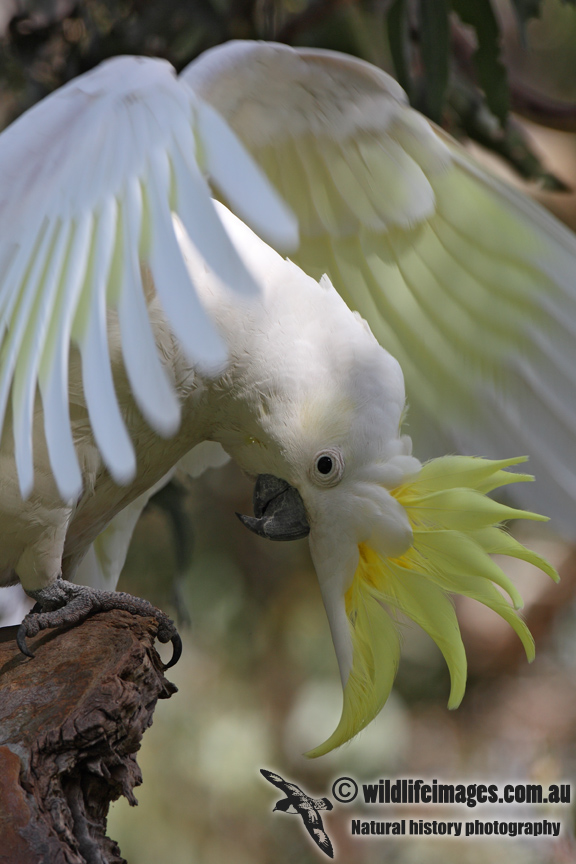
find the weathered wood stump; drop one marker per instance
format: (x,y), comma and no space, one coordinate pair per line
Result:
(71,720)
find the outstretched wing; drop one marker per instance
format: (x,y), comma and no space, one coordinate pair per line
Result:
(289,789)
(96,181)
(466,282)
(315,828)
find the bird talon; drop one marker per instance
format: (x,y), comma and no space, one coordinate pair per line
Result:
(176,651)
(167,632)
(21,641)
(64,603)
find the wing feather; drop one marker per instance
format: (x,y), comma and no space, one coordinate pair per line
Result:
(241,181)
(89,331)
(328,209)
(18,308)
(98,179)
(465,280)
(29,353)
(194,206)
(53,373)
(183,308)
(150,383)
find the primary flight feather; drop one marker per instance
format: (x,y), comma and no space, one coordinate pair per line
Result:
(140,320)
(92,179)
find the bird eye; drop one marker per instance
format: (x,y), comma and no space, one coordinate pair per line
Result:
(328,467)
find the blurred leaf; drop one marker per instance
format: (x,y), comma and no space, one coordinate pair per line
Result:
(398,36)
(491,72)
(434,49)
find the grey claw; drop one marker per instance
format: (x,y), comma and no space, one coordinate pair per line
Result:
(176,651)
(21,641)
(167,632)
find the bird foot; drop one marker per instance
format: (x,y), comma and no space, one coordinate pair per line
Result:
(64,603)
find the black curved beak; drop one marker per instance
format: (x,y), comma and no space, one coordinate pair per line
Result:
(279,512)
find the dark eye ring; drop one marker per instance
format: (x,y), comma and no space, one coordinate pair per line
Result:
(328,467)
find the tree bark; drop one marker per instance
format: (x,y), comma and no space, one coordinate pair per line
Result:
(71,720)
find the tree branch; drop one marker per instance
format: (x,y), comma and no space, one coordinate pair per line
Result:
(71,720)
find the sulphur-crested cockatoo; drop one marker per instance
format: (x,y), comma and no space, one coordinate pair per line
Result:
(97,181)
(139,321)
(468,283)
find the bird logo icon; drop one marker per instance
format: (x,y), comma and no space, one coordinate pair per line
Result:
(299,803)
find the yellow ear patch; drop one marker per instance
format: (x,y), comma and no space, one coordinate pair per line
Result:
(456,528)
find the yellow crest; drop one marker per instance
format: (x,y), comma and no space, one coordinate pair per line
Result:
(456,528)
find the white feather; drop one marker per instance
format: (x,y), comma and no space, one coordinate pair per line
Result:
(150,384)
(242,183)
(468,283)
(90,332)
(53,374)
(74,159)
(198,335)
(30,352)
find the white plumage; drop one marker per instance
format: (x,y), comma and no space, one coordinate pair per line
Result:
(468,283)
(135,326)
(91,178)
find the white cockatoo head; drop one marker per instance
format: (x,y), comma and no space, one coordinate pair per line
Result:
(318,407)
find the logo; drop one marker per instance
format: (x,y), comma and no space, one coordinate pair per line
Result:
(300,804)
